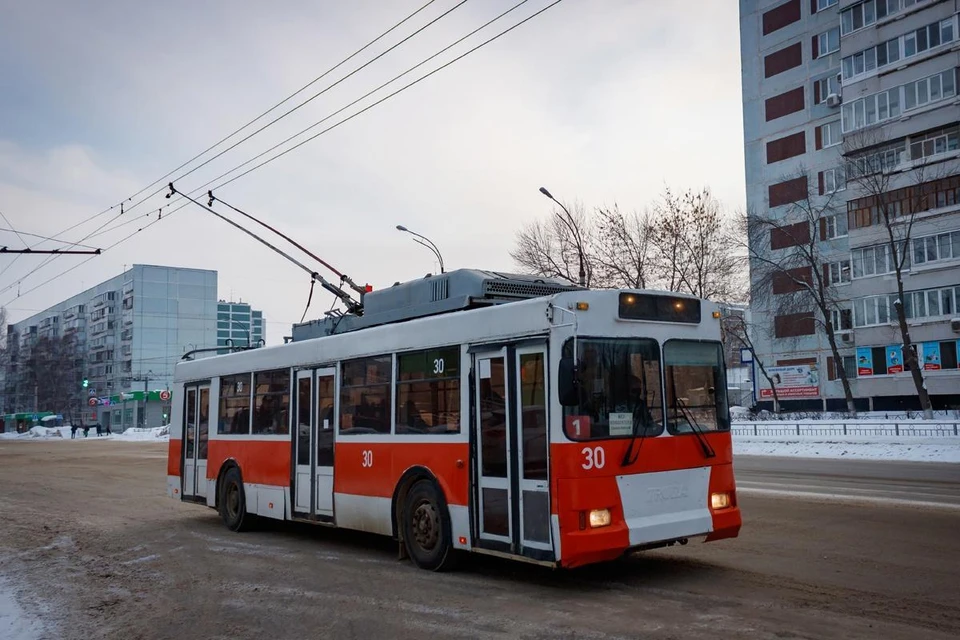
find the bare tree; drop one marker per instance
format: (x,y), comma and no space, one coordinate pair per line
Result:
(893,199)
(553,247)
(623,256)
(54,370)
(692,251)
(790,267)
(737,331)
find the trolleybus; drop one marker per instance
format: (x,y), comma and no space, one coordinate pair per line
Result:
(564,430)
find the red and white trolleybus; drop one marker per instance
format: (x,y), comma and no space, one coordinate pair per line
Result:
(562,429)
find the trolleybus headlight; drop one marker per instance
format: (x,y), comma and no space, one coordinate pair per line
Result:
(719,500)
(600,518)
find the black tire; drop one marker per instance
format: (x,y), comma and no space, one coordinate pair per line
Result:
(426,528)
(233,502)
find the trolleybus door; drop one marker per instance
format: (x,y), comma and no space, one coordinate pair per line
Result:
(325,423)
(313,443)
(531,427)
(196,418)
(512,499)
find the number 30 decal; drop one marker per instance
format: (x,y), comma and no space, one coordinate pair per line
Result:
(593,458)
(367,458)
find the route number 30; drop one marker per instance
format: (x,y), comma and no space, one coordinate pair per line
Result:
(593,458)
(367,458)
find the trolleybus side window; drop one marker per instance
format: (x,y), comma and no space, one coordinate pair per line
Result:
(365,396)
(272,410)
(619,389)
(533,407)
(234,415)
(428,391)
(696,386)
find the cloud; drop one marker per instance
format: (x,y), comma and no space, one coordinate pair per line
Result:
(600,101)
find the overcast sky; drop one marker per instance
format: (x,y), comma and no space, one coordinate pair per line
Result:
(603,101)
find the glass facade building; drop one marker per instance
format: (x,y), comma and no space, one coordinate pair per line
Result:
(239,325)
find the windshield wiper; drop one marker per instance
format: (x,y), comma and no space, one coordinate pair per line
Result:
(639,417)
(708,451)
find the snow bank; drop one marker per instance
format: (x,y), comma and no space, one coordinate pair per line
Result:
(907,448)
(154,434)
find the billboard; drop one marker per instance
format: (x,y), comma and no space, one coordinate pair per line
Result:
(931,355)
(794,381)
(894,359)
(864,361)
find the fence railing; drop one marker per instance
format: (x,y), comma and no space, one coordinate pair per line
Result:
(824,428)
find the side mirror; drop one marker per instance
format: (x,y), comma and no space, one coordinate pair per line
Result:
(568,382)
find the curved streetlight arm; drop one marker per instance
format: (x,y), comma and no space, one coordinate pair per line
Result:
(568,221)
(425,241)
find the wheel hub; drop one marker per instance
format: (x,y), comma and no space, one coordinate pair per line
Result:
(233,500)
(426,526)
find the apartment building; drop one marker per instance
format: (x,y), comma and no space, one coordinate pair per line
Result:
(852,106)
(123,337)
(239,325)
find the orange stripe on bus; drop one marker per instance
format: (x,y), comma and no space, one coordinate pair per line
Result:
(374,469)
(261,461)
(173,457)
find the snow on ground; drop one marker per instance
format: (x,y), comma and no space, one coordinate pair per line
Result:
(154,434)
(907,448)
(15,624)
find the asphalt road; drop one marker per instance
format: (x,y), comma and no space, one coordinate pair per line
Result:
(891,483)
(91,547)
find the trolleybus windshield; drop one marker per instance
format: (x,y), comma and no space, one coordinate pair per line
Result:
(696,386)
(618,381)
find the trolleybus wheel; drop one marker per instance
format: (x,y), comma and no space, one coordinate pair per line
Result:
(426,528)
(233,503)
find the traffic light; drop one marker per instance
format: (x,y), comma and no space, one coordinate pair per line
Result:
(86,383)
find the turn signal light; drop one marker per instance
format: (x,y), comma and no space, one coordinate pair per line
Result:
(583,306)
(599,518)
(716,314)
(719,500)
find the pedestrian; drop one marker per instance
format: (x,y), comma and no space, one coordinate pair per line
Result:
(73,431)
(99,430)
(109,432)
(86,430)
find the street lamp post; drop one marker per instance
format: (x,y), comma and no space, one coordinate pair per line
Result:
(423,240)
(569,222)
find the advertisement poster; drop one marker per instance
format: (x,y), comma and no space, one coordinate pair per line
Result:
(795,381)
(864,361)
(931,356)
(894,359)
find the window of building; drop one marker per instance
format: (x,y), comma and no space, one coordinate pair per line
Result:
(866,13)
(833,180)
(931,303)
(824,4)
(830,134)
(838,272)
(428,391)
(836,226)
(943,246)
(871,311)
(365,396)
(272,409)
(825,87)
(884,160)
(871,109)
(929,90)
(863,212)
(234,415)
(874,261)
(841,319)
(828,42)
(934,143)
